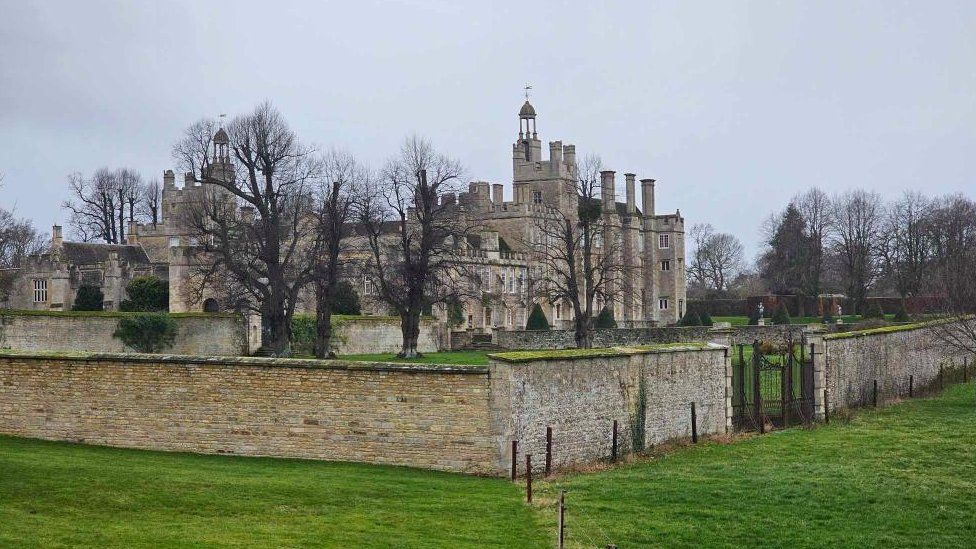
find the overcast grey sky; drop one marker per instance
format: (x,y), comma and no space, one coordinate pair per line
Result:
(733,106)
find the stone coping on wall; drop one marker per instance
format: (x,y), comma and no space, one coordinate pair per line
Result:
(108,314)
(897,328)
(604,352)
(146,358)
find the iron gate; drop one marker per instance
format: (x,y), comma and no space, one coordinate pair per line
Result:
(771,385)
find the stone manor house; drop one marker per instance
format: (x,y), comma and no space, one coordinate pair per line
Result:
(651,292)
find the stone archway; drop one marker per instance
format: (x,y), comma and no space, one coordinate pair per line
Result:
(210,305)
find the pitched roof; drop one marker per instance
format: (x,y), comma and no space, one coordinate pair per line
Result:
(89,253)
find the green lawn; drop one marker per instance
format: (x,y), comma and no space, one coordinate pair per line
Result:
(56,494)
(903,476)
(445,357)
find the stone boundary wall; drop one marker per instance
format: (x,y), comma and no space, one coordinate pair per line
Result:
(564,339)
(454,418)
(415,415)
(847,364)
(196,333)
(580,397)
(368,335)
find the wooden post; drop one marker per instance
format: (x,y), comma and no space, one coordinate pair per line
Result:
(561,519)
(514,458)
(694,425)
(548,451)
(756,393)
(965,369)
(528,478)
(874,396)
(941,379)
(613,447)
(911,386)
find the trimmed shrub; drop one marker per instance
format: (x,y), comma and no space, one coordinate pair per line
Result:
(89,298)
(303,335)
(873,309)
(146,294)
(902,314)
(754,317)
(782,315)
(537,319)
(147,332)
(604,320)
(691,318)
(706,319)
(346,300)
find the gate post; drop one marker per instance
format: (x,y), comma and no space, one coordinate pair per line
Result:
(757,386)
(818,357)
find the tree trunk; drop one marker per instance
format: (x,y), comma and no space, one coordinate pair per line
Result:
(323,321)
(584,333)
(279,330)
(410,329)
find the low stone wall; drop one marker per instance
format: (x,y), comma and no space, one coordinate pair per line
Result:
(649,393)
(196,333)
(564,339)
(432,417)
(362,335)
(851,362)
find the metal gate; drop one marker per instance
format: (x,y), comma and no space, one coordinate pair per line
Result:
(772,385)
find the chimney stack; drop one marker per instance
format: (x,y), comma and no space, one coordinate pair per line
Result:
(631,200)
(647,198)
(57,241)
(569,154)
(133,237)
(556,152)
(498,193)
(607,190)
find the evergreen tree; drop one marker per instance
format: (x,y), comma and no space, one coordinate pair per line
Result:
(706,319)
(146,294)
(605,320)
(346,300)
(691,318)
(89,298)
(537,319)
(782,315)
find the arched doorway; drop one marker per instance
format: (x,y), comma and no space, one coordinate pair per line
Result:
(210,305)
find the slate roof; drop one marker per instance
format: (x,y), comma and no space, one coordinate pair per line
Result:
(89,253)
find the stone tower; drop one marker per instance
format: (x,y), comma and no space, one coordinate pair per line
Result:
(536,180)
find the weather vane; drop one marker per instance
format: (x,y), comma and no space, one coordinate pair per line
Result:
(527,88)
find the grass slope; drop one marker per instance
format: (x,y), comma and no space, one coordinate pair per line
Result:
(903,476)
(56,494)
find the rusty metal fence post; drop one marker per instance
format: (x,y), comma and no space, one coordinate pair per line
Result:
(694,425)
(514,458)
(548,451)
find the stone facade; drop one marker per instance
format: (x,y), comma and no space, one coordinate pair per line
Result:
(455,418)
(219,334)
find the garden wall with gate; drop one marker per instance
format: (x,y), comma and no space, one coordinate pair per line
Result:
(455,418)
(902,359)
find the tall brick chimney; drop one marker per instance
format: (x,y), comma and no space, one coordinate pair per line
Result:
(630,190)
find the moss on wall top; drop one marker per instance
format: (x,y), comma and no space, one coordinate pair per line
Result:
(574,354)
(149,359)
(897,328)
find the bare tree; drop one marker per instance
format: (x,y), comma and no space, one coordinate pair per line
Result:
(415,239)
(149,206)
(341,187)
(18,239)
(904,243)
(579,251)
(856,223)
(194,151)
(257,256)
(952,234)
(103,204)
(717,258)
